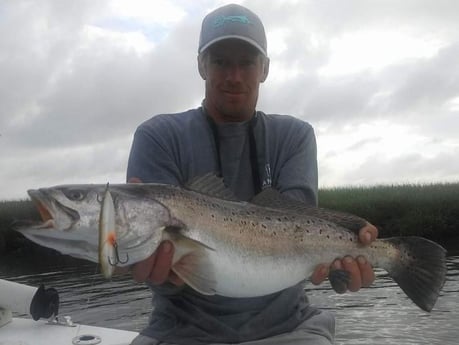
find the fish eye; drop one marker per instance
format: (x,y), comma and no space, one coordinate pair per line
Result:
(75,194)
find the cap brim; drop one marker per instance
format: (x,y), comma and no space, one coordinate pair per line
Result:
(242,38)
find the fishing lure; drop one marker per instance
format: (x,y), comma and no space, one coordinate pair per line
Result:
(108,246)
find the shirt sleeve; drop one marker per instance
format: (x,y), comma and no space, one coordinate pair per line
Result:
(298,174)
(151,159)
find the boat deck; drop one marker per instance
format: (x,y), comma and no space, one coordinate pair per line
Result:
(28,332)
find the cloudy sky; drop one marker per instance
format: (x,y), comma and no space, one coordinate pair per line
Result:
(378,80)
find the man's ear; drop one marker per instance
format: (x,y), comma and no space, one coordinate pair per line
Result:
(265,69)
(202,67)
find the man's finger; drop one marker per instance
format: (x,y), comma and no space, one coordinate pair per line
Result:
(162,264)
(368,233)
(319,274)
(141,270)
(366,271)
(175,279)
(350,265)
(134,180)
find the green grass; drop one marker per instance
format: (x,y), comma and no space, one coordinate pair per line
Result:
(430,211)
(11,211)
(16,210)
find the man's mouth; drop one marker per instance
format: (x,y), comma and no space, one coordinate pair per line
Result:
(234,92)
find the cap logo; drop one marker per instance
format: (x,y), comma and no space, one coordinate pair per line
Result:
(222,20)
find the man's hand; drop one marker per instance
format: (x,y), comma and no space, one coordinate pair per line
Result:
(361,272)
(157,267)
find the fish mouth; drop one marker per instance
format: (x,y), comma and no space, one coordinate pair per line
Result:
(54,215)
(45,214)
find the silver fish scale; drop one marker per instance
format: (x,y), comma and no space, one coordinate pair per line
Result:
(250,227)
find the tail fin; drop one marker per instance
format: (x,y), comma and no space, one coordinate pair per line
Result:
(421,270)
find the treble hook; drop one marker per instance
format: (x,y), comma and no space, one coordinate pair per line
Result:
(117,257)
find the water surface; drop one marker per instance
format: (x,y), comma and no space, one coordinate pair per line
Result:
(381,314)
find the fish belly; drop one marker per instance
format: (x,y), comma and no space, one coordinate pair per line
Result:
(245,276)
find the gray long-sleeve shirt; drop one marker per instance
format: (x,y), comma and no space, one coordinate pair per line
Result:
(175,148)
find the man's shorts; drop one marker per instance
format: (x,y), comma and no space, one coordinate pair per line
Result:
(317,330)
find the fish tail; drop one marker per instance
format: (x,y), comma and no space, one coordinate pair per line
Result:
(420,270)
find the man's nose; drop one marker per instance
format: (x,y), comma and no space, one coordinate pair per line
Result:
(234,72)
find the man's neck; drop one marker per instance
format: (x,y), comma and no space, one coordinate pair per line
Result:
(218,117)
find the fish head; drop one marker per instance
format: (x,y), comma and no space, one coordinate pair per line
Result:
(68,208)
(70,217)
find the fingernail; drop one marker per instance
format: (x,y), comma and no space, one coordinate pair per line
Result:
(348,260)
(367,237)
(337,265)
(361,260)
(167,247)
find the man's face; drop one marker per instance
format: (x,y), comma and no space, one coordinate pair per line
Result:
(233,70)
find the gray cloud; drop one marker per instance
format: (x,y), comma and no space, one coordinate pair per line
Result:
(406,168)
(427,84)
(95,89)
(71,99)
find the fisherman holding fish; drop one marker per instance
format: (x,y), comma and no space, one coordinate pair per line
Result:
(225,228)
(251,151)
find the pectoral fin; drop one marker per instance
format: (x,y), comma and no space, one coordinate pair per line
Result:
(193,265)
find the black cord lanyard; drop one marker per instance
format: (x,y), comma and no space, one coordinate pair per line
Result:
(252,146)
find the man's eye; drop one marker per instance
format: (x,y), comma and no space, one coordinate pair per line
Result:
(246,63)
(218,62)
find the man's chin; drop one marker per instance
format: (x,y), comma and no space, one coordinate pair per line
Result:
(237,114)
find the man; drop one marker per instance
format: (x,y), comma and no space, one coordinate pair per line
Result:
(251,150)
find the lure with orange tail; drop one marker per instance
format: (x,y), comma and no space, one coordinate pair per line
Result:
(107,235)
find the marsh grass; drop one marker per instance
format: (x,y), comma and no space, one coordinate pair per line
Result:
(11,211)
(430,211)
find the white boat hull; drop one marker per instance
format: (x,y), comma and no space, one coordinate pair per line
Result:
(28,332)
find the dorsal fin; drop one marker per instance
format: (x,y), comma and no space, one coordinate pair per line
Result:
(212,185)
(270,197)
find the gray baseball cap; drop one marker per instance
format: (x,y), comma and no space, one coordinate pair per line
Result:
(232,21)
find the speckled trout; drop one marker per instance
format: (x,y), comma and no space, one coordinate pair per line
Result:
(224,246)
